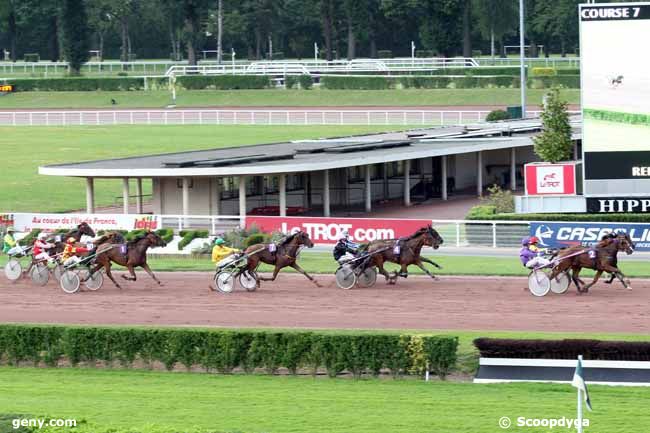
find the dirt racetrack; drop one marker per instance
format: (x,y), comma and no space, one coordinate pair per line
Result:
(416,303)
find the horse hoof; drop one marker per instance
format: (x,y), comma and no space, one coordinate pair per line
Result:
(629,287)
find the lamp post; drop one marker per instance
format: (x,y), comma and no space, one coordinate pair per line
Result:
(412,53)
(232,53)
(522,66)
(315,52)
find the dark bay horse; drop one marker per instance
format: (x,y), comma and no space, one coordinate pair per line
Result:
(604,260)
(76,233)
(136,256)
(285,255)
(409,254)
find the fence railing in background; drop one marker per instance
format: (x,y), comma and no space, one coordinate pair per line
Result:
(246,117)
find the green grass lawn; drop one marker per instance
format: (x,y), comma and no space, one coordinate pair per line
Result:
(145,401)
(24,149)
(278,97)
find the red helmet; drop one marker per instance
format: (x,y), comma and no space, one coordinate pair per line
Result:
(533,240)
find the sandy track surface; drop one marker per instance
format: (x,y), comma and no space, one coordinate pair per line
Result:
(291,301)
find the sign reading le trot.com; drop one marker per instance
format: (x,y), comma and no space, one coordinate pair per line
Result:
(615,86)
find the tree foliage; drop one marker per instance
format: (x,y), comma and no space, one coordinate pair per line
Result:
(74,36)
(554,143)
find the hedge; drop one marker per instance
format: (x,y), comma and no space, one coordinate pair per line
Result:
(225,350)
(487,213)
(223,82)
(189,235)
(563,349)
(76,84)
(562,81)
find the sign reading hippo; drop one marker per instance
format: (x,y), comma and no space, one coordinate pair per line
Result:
(328,230)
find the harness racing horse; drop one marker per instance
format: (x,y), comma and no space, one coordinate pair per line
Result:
(285,255)
(82,229)
(409,253)
(604,261)
(135,256)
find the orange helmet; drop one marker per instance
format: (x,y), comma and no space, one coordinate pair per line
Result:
(71,240)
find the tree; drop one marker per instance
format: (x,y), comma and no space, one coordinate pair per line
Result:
(74,34)
(556,20)
(101,21)
(192,10)
(554,143)
(495,19)
(8,21)
(441,25)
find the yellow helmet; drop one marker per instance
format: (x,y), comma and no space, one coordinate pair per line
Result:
(71,240)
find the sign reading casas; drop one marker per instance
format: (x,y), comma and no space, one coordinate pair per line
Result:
(328,230)
(618,204)
(559,235)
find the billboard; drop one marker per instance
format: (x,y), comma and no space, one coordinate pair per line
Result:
(615,99)
(328,230)
(24,222)
(550,179)
(566,234)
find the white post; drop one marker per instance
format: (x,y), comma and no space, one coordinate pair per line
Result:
(522,67)
(494,235)
(368,190)
(186,196)
(138,195)
(407,182)
(479,173)
(513,169)
(125,195)
(90,195)
(443,175)
(326,193)
(217,198)
(282,184)
(579,420)
(242,201)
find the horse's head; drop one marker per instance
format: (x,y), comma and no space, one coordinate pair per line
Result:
(85,229)
(155,240)
(624,243)
(302,238)
(434,238)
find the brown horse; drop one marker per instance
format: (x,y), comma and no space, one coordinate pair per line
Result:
(604,260)
(82,229)
(409,254)
(136,256)
(285,255)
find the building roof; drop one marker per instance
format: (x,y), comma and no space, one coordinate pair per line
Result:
(312,155)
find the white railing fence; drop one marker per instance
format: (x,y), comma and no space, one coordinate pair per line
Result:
(245,117)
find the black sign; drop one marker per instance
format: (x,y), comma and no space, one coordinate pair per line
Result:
(617,165)
(615,12)
(618,204)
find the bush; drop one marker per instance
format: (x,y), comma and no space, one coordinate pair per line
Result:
(223,82)
(543,72)
(496,115)
(256,238)
(189,235)
(355,83)
(290,81)
(225,350)
(501,200)
(563,349)
(167,235)
(560,81)
(306,81)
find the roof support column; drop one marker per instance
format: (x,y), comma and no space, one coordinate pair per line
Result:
(242,201)
(479,173)
(368,190)
(186,196)
(443,177)
(125,195)
(138,195)
(90,195)
(282,186)
(216,210)
(407,182)
(513,169)
(326,193)
(386,188)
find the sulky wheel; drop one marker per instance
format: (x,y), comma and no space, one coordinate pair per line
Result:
(345,277)
(224,282)
(248,281)
(40,274)
(58,271)
(367,278)
(70,281)
(560,284)
(93,283)
(13,270)
(538,283)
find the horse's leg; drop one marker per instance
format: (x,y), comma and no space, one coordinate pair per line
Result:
(275,274)
(431,262)
(426,271)
(107,268)
(610,279)
(131,270)
(596,277)
(617,272)
(575,276)
(302,271)
(150,272)
(380,267)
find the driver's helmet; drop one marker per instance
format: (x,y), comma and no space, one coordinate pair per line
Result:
(10,229)
(219,241)
(71,240)
(533,240)
(345,234)
(41,236)
(525,241)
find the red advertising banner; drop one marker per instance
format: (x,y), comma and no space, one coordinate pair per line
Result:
(328,230)
(550,179)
